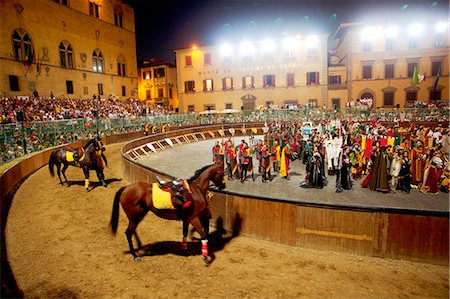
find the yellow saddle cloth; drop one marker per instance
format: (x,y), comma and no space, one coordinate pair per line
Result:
(162,199)
(70,158)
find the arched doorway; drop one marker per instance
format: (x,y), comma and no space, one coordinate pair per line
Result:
(248,102)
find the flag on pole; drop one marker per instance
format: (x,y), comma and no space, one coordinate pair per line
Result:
(436,80)
(415,77)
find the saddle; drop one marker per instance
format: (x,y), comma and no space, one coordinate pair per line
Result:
(76,155)
(171,195)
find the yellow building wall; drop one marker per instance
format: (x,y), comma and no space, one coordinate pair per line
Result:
(259,66)
(48,24)
(152,84)
(400,56)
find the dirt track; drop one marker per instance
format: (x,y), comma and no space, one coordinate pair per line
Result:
(60,246)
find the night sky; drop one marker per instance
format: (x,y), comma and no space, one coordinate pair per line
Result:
(165,25)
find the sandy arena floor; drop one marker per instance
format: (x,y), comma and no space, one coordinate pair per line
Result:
(60,246)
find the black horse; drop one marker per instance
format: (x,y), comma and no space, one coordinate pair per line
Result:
(88,157)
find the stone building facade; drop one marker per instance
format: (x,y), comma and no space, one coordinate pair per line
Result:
(290,71)
(68,48)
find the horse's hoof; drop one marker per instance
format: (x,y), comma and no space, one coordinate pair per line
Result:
(87,190)
(207,260)
(137,259)
(105,185)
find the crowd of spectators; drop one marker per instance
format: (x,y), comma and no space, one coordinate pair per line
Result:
(50,122)
(48,109)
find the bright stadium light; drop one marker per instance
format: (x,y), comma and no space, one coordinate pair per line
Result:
(289,43)
(415,29)
(441,27)
(267,45)
(312,41)
(226,50)
(368,33)
(246,47)
(391,31)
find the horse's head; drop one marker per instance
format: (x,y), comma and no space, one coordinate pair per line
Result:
(217,175)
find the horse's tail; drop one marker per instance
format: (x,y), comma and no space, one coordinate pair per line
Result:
(51,164)
(115,211)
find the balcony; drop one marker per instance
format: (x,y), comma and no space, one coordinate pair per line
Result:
(337,86)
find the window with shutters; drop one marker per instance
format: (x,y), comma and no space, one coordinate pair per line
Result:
(207,58)
(159,72)
(411,67)
(269,81)
(187,61)
(248,82)
(388,99)
(290,80)
(389,71)
(208,85)
(436,67)
(118,16)
(312,78)
(189,86)
(336,79)
(93,9)
(367,72)
(227,83)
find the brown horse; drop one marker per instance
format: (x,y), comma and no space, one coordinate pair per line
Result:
(89,157)
(136,200)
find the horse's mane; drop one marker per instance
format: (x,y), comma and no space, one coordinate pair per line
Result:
(198,172)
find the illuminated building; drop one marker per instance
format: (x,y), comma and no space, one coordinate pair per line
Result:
(381,60)
(158,83)
(288,72)
(68,48)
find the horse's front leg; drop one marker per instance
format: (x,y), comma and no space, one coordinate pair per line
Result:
(196,223)
(185,233)
(86,177)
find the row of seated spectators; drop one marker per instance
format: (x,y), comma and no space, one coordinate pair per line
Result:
(47,109)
